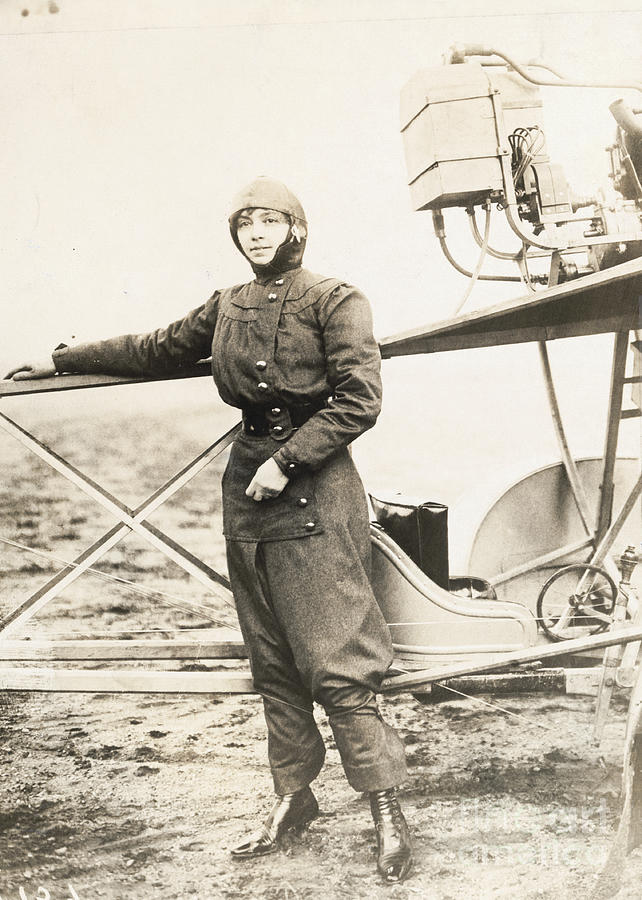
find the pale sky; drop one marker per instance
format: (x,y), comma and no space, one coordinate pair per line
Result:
(127,127)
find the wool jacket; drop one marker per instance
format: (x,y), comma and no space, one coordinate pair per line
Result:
(309,618)
(291,339)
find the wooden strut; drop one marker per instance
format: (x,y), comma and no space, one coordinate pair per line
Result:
(632,774)
(600,553)
(603,536)
(541,561)
(231,647)
(412,680)
(620,350)
(629,833)
(577,489)
(566,681)
(129,681)
(142,680)
(613,655)
(569,463)
(131,520)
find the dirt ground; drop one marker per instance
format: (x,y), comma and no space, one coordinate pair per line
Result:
(141,796)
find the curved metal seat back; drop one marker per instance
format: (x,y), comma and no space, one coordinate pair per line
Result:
(427,621)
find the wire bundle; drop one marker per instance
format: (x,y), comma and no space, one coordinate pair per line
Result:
(525,144)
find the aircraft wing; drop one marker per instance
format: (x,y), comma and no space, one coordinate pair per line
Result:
(606,301)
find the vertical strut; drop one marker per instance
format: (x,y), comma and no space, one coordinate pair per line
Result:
(620,348)
(569,463)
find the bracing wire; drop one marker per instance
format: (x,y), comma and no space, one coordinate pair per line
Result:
(169,599)
(496,706)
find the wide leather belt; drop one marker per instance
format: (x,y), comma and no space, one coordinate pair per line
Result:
(278,421)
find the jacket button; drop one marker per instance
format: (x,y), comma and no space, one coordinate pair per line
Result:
(302,501)
(271,296)
(276,411)
(291,466)
(262,386)
(277,429)
(261,365)
(279,281)
(310,526)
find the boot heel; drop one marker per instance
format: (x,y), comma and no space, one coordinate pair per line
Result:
(290,813)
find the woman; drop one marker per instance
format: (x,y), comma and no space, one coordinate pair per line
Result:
(295,352)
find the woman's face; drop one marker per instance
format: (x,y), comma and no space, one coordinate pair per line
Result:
(261,232)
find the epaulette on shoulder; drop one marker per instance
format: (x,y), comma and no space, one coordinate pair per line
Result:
(305,281)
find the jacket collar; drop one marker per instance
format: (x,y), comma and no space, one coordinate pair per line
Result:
(291,285)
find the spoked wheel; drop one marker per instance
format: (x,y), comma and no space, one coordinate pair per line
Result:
(576,601)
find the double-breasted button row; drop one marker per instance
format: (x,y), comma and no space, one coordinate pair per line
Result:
(278,427)
(261,365)
(272,297)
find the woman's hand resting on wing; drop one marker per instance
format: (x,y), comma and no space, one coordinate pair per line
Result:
(35,368)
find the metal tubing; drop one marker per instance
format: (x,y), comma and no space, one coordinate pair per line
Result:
(498,254)
(440,233)
(480,262)
(517,254)
(626,118)
(478,50)
(469,274)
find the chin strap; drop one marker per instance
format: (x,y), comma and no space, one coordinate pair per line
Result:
(288,255)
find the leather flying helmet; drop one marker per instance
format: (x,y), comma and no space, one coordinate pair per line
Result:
(268,193)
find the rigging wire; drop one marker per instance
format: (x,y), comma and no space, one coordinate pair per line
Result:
(172,601)
(503,709)
(176,601)
(169,599)
(128,631)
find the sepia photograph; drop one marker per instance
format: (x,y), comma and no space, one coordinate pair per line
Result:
(321,450)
